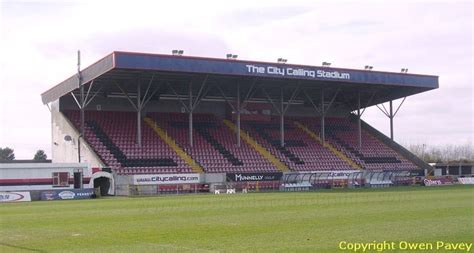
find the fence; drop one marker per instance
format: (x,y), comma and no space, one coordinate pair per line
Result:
(328,180)
(288,182)
(150,190)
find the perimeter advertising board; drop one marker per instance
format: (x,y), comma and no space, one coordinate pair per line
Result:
(253,177)
(154,179)
(466,180)
(342,174)
(438,181)
(14,197)
(67,194)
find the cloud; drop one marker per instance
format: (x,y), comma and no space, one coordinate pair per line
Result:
(248,17)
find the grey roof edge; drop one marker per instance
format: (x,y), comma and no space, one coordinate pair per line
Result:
(91,72)
(260,62)
(220,66)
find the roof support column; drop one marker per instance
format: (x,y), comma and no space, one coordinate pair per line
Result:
(359,116)
(139,116)
(192,104)
(319,111)
(390,114)
(391,120)
(239,105)
(237,109)
(359,129)
(191,114)
(323,113)
(242,104)
(282,120)
(140,104)
(238,115)
(281,110)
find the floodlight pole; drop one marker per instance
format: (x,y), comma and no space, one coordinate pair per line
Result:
(81,88)
(82,102)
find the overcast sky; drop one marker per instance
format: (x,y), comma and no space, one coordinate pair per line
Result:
(39,40)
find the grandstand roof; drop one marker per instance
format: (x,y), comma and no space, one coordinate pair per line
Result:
(128,69)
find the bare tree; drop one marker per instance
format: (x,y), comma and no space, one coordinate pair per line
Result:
(446,153)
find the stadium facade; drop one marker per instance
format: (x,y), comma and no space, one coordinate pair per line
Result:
(180,122)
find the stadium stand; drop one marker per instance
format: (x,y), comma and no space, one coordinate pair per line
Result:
(300,152)
(373,154)
(214,146)
(233,93)
(112,135)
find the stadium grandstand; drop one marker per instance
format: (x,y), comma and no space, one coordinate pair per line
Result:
(145,114)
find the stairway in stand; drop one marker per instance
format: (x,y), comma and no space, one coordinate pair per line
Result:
(261,150)
(189,160)
(328,146)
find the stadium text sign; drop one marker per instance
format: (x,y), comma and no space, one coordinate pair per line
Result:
(438,181)
(296,72)
(245,177)
(166,179)
(337,174)
(14,196)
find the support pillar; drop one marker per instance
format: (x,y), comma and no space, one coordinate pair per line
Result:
(238,115)
(139,128)
(391,121)
(358,122)
(190,115)
(139,116)
(282,120)
(281,109)
(390,114)
(323,114)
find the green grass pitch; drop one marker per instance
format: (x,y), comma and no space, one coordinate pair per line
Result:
(260,222)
